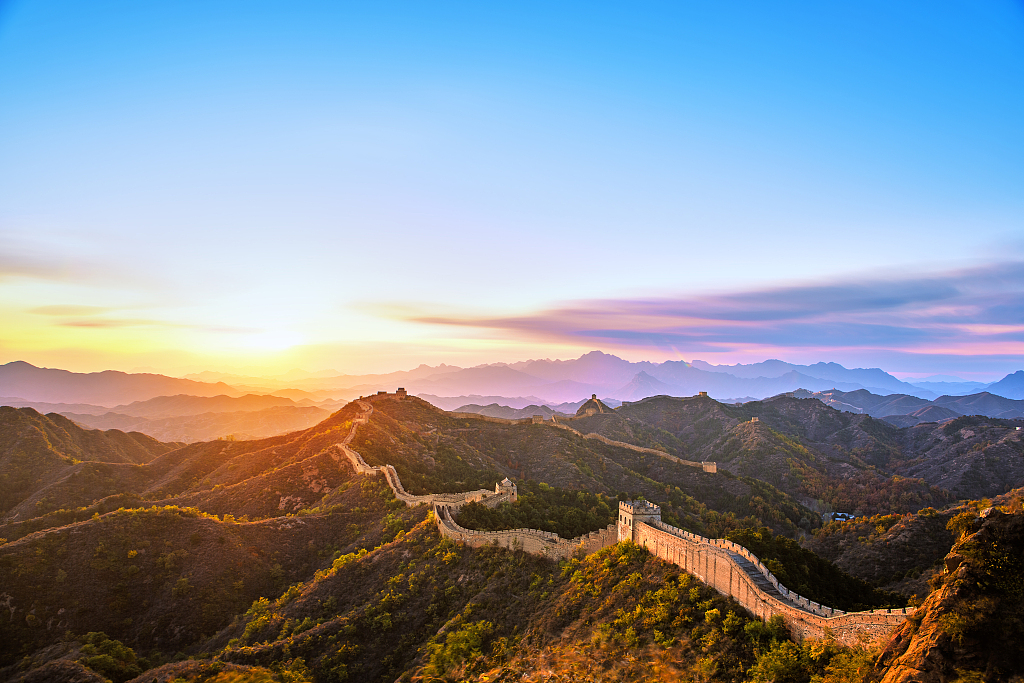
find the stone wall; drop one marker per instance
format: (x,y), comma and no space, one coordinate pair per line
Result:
(714,561)
(557,422)
(452,500)
(532,541)
(496,420)
(706,466)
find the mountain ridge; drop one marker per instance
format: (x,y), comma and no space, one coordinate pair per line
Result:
(543,381)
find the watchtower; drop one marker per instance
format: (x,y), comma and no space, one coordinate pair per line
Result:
(507,486)
(633,511)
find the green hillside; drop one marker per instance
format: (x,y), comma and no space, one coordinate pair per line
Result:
(271,560)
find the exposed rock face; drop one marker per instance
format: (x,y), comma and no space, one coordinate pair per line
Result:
(973,621)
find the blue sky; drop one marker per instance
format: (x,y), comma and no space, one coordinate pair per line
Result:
(263,185)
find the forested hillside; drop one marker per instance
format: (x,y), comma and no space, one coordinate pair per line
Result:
(272,560)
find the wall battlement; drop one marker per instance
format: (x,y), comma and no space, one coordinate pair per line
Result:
(710,467)
(727,567)
(736,572)
(640,507)
(532,541)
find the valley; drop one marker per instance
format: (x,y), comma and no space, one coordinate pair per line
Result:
(231,555)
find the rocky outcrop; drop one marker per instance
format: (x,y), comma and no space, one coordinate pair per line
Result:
(972,622)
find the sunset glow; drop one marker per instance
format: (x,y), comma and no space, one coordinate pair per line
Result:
(187,187)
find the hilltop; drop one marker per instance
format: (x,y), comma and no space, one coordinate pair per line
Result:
(36,450)
(274,555)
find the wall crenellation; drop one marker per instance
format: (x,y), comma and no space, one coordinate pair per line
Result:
(728,567)
(734,571)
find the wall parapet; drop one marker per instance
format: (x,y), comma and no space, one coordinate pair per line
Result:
(495,420)
(535,541)
(717,562)
(710,467)
(714,561)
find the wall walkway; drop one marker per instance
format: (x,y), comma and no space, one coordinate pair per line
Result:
(532,541)
(554,422)
(734,571)
(706,466)
(729,568)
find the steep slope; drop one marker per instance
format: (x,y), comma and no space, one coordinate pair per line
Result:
(984,403)
(434,451)
(36,449)
(290,470)
(969,628)
(972,457)
(426,609)
(379,595)
(164,577)
(801,446)
(641,386)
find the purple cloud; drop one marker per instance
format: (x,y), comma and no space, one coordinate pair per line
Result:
(966,312)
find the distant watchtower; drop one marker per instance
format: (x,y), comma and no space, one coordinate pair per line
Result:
(507,486)
(633,511)
(592,407)
(402,394)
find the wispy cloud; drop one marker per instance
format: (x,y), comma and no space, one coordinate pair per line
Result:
(60,310)
(968,311)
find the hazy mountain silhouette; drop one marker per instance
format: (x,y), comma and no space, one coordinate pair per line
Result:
(915,409)
(107,388)
(642,386)
(1011,386)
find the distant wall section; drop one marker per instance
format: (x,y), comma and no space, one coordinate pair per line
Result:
(729,568)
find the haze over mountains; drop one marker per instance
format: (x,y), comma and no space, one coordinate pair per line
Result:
(256,553)
(546,381)
(212,405)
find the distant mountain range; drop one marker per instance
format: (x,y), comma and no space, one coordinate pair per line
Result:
(187,419)
(517,385)
(108,388)
(902,410)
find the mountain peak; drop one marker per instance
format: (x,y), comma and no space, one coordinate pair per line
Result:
(593,404)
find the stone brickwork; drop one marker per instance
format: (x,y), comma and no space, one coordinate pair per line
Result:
(734,571)
(729,568)
(532,541)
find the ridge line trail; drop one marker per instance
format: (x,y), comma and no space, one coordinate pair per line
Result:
(357,461)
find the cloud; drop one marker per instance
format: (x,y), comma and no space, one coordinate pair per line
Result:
(25,264)
(976,310)
(69,310)
(122,323)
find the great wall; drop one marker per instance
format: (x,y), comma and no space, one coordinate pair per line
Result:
(729,568)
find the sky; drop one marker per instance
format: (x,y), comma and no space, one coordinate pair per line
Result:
(261,186)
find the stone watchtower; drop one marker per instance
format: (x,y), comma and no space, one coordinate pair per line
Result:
(509,487)
(633,511)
